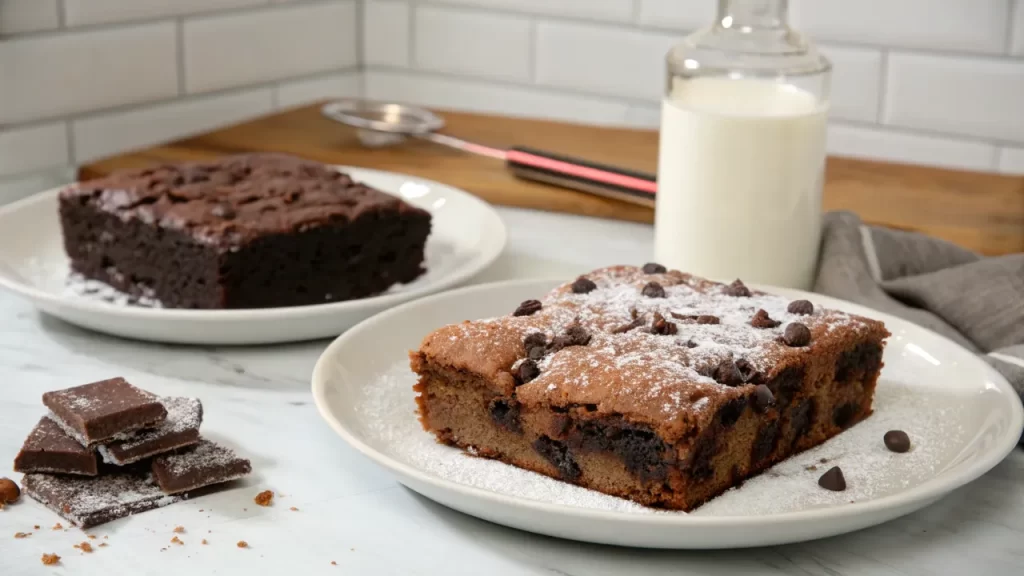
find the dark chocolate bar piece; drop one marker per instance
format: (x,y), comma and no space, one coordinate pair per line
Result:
(104,410)
(49,449)
(204,464)
(87,502)
(180,429)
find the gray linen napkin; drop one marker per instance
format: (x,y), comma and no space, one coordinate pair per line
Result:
(976,301)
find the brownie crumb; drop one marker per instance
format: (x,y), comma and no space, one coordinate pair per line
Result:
(103,544)
(333,563)
(36,527)
(91,536)
(294,509)
(177,541)
(264,498)
(9,491)
(58,526)
(242,544)
(50,559)
(85,547)
(20,535)
(204,542)
(179,529)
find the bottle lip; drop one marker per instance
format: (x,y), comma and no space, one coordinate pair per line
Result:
(706,52)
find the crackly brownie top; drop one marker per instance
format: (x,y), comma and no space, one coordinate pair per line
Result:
(651,344)
(236,199)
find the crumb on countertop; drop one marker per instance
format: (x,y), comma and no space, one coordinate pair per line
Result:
(20,535)
(92,536)
(264,498)
(179,529)
(103,544)
(243,544)
(177,541)
(85,547)
(294,509)
(58,526)
(36,527)
(50,559)
(204,542)
(333,563)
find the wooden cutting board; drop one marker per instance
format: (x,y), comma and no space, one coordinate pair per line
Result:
(983,212)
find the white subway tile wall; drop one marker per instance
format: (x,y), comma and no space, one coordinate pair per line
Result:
(471,42)
(936,82)
(18,16)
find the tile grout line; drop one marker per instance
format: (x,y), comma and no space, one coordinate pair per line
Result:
(62,14)
(413,20)
(1015,5)
(179,39)
(69,133)
(360,10)
(531,51)
(883,88)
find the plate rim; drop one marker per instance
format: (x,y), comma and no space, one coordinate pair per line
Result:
(485,259)
(919,495)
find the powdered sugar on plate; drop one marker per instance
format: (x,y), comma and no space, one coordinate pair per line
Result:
(387,414)
(78,286)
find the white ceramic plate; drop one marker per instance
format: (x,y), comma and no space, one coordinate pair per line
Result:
(466,236)
(962,416)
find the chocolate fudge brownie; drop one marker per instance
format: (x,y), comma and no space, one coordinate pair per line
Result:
(249,231)
(103,411)
(649,384)
(49,449)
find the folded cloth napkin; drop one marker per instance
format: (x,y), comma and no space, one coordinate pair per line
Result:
(975,301)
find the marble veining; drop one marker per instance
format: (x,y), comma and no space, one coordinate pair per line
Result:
(353,513)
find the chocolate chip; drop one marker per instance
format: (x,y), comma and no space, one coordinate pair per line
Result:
(559,342)
(796,335)
(897,441)
(505,414)
(843,415)
(583,286)
(707,319)
(653,268)
(764,444)
(662,326)
(537,352)
(653,290)
(635,323)
(763,398)
(698,318)
(728,373)
(223,211)
(833,480)
(528,308)
(761,319)
(747,370)
(535,339)
(578,335)
(528,370)
(732,410)
(737,288)
(803,307)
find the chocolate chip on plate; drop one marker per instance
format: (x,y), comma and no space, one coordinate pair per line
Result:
(583,285)
(833,480)
(803,307)
(535,339)
(662,326)
(528,370)
(796,335)
(653,290)
(737,288)
(897,441)
(654,268)
(763,398)
(528,308)
(761,319)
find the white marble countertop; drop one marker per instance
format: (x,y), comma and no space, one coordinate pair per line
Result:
(355,514)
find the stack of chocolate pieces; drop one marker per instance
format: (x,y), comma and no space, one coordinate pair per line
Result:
(152,453)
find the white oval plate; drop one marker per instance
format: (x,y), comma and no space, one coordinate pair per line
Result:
(962,416)
(466,236)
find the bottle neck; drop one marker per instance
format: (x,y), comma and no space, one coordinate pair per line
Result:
(745,15)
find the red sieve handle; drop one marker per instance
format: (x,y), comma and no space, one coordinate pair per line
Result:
(627,185)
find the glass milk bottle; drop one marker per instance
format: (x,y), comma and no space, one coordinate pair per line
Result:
(742,150)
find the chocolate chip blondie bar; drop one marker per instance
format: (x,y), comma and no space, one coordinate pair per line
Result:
(649,384)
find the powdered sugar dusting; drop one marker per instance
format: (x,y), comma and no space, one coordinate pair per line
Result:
(387,414)
(183,414)
(218,463)
(78,286)
(88,501)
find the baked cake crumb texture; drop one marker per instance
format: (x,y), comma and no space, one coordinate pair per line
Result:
(264,498)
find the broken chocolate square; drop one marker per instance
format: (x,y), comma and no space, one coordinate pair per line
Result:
(49,449)
(104,410)
(87,502)
(204,464)
(180,429)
